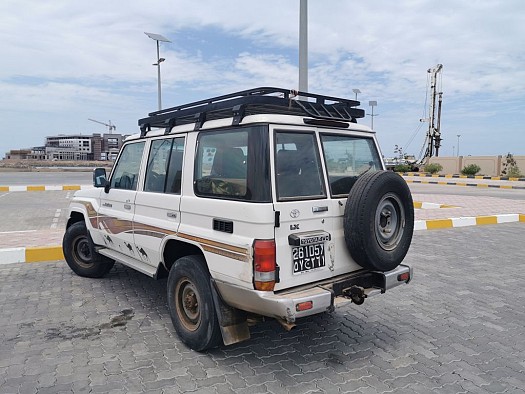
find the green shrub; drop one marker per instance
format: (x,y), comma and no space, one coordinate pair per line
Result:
(514,172)
(471,169)
(402,168)
(433,168)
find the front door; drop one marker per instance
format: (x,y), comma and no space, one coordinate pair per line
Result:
(117,203)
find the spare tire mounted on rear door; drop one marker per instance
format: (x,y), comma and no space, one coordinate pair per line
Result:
(379,220)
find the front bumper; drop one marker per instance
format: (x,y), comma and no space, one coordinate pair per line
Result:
(284,305)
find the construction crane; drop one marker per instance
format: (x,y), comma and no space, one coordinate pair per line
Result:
(110,126)
(433,139)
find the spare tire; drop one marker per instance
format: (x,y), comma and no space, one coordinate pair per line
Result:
(379,220)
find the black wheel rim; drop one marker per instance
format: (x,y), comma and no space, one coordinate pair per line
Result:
(389,222)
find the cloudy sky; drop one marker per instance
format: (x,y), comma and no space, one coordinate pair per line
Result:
(64,61)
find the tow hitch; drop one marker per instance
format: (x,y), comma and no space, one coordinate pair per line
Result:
(356,294)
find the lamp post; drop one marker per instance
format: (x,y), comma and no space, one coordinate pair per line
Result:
(372,104)
(303,46)
(459,135)
(158,38)
(356,91)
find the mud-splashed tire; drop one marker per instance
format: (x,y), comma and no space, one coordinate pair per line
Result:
(80,254)
(379,220)
(191,306)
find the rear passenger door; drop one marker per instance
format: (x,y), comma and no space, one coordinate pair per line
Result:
(157,206)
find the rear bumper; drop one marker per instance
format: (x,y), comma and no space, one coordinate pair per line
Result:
(284,305)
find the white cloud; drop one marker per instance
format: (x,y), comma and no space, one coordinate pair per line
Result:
(63,59)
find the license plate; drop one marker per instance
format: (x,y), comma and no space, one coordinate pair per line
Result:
(308,257)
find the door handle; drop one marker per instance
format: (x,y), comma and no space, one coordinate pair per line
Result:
(127,206)
(320,209)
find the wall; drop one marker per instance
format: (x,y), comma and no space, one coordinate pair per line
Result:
(490,165)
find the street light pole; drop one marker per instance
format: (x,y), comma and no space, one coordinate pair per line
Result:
(459,135)
(158,38)
(303,46)
(372,104)
(356,91)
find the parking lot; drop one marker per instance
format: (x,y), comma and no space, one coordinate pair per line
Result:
(458,327)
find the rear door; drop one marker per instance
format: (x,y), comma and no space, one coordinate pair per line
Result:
(157,206)
(303,236)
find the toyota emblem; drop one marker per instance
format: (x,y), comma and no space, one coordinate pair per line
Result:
(294,213)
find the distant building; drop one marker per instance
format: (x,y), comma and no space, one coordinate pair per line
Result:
(73,147)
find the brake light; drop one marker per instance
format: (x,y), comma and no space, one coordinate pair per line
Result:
(404,277)
(264,264)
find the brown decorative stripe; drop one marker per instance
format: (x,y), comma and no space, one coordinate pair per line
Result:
(225,253)
(209,242)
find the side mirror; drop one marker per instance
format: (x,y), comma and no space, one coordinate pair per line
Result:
(99,177)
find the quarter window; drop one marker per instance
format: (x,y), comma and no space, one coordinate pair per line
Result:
(126,172)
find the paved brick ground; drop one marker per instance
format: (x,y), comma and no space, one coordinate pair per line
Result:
(458,327)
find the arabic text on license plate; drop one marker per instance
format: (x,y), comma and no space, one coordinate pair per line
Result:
(308,257)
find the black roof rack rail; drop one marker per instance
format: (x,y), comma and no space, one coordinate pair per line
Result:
(263,100)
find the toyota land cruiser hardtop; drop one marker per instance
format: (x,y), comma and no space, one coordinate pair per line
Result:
(266,202)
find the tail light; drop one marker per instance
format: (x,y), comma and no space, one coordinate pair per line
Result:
(264,265)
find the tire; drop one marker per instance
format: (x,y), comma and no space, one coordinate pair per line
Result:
(191,306)
(80,254)
(379,220)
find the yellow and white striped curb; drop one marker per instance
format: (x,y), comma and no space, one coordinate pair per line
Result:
(434,224)
(31,254)
(43,188)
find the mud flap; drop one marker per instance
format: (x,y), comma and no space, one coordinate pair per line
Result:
(232,321)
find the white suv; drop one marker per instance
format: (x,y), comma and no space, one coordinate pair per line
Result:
(265,202)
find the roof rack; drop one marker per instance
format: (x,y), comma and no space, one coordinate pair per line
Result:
(263,100)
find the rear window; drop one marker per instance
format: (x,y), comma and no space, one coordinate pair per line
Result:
(346,158)
(298,167)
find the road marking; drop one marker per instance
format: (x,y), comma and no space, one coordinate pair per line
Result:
(56,218)
(19,231)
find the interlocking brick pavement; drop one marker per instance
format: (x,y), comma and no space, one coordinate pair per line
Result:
(456,328)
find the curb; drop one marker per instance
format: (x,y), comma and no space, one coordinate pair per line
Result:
(435,224)
(492,178)
(485,185)
(31,254)
(53,253)
(43,188)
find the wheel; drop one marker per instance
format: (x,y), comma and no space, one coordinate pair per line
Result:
(379,220)
(191,306)
(80,254)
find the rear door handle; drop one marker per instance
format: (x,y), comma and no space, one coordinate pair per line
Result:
(320,209)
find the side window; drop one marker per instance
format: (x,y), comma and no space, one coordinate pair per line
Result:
(164,171)
(174,178)
(126,173)
(298,167)
(347,158)
(221,164)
